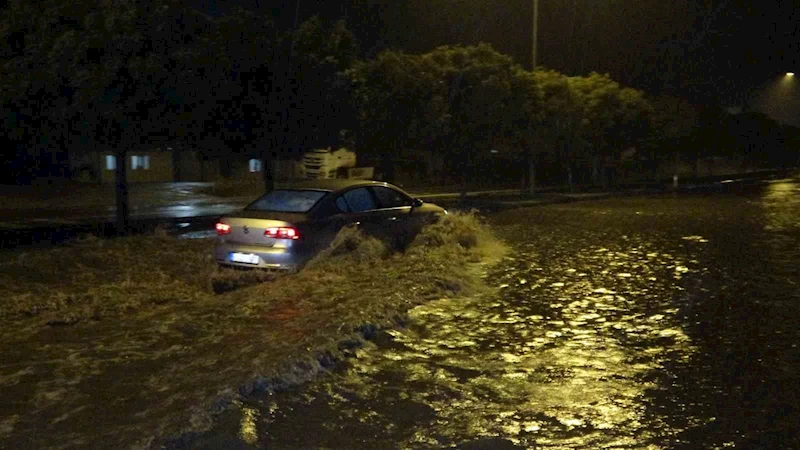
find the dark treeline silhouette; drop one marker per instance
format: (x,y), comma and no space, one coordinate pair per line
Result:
(116,77)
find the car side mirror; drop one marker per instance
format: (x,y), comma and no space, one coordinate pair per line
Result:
(417,203)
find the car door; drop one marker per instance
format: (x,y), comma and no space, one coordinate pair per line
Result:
(361,207)
(394,214)
(352,207)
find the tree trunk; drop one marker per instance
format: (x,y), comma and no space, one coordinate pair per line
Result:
(225,169)
(122,192)
(675,169)
(176,164)
(569,178)
(201,159)
(531,171)
(429,166)
(465,176)
(603,175)
(387,168)
(267,159)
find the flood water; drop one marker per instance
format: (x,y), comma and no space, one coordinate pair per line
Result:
(640,322)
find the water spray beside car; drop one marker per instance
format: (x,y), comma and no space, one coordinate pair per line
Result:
(285,228)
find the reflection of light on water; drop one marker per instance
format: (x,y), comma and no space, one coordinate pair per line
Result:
(603,291)
(780,202)
(565,355)
(571,422)
(545,377)
(695,239)
(205,234)
(248,431)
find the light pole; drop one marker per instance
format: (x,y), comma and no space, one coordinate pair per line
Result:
(532,150)
(535,39)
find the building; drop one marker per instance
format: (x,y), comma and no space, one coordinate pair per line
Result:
(172,165)
(156,165)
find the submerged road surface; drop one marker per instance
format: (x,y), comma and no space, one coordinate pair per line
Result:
(653,322)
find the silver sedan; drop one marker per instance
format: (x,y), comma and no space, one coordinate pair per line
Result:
(286,227)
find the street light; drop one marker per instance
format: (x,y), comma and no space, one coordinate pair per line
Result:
(535,33)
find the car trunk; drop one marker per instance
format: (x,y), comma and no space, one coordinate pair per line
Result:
(248,227)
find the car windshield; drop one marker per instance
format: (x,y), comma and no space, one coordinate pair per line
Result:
(294,201)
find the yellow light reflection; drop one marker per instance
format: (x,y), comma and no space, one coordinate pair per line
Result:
(248,431)
(781,201)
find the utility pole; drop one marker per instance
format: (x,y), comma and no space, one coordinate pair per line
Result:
(532,149)
(535,39)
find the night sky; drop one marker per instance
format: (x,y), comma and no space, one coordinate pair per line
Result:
(709,50)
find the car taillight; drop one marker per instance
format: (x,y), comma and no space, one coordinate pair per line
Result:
(223,228)
(282,233)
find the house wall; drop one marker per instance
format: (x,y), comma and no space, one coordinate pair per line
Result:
(85,166)
(188,165)
(210,170)
(286,169)
(240,170)
(106,175)
(159,170)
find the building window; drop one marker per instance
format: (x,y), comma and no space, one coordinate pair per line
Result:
(140,162)
(255,165)
(111,162)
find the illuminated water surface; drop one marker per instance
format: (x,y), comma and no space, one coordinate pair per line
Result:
(660,322)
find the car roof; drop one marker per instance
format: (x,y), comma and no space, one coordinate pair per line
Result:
(332,185)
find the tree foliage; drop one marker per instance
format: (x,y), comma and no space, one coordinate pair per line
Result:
(121,75)
(399,102)
(611,116)
(453,100)
(489,96)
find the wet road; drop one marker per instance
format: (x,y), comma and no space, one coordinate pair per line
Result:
(87,203)
(654,322)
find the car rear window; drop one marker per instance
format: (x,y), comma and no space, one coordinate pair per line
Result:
(284,200)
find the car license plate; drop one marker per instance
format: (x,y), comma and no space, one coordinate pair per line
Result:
(247,258)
